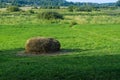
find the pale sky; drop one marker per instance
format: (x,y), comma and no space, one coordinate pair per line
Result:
(94,1)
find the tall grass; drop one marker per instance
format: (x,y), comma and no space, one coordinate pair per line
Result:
(104,17)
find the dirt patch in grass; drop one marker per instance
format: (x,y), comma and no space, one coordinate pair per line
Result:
(61,52)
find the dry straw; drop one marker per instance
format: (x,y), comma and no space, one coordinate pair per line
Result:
(41,45)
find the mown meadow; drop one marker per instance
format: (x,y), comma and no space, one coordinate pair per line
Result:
(90,46)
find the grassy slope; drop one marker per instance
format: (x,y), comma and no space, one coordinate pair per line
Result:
(93,53)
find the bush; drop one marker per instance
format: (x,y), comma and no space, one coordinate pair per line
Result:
(31,11)
(42,45)
(71,8)
(82,8)
(13,8)
(72,24)
(50,15)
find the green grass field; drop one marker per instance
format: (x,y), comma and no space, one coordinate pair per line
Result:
(88,52)
(90,49)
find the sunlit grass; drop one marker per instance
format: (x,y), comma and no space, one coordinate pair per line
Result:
(88,52)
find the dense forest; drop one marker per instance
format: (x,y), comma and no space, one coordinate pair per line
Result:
(5,3)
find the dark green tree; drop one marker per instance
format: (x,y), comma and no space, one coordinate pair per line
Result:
(118,3)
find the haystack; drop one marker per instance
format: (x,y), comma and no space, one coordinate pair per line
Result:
(41,45)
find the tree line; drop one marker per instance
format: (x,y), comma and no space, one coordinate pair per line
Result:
(52,3)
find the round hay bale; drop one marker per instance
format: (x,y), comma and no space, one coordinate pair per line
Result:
(40,45)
